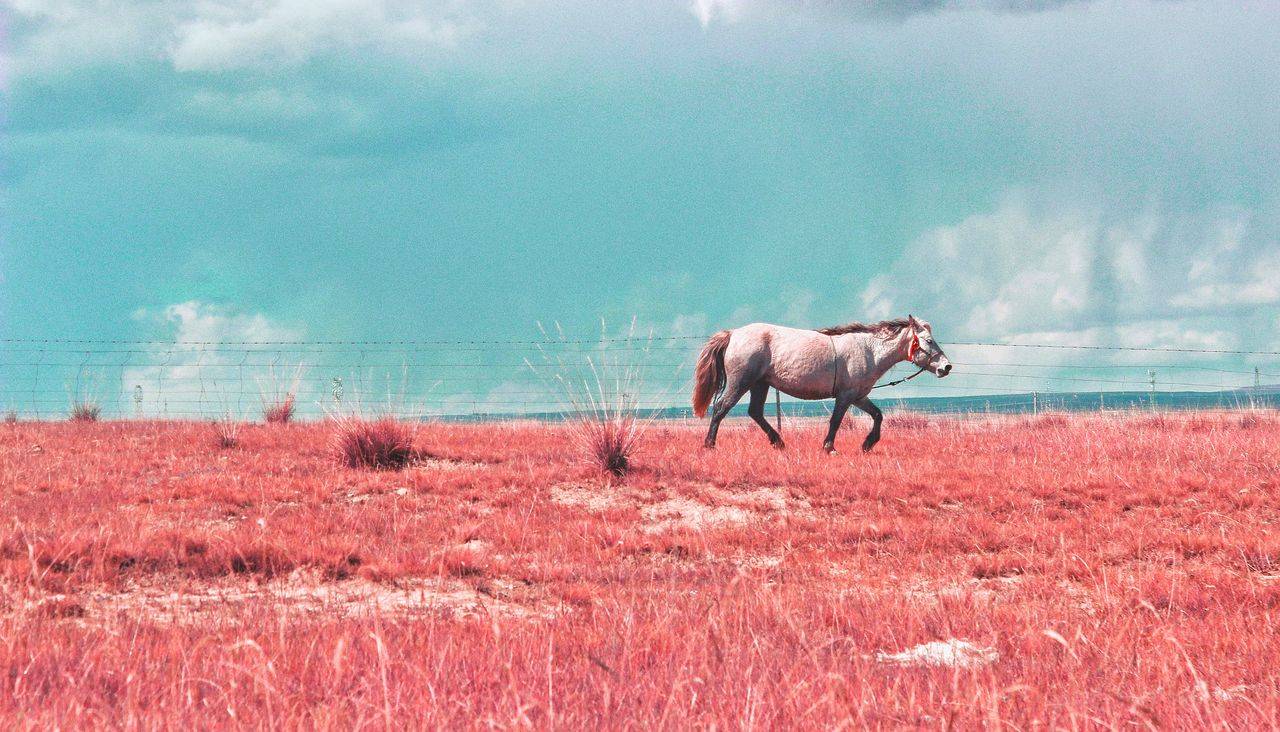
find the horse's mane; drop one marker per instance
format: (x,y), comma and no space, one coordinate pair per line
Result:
(884,328)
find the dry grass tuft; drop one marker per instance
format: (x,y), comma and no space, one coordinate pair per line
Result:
(278,393)
(609,440)
(279,412)
(605,412)
(378,444)
(226,432)
(85,411)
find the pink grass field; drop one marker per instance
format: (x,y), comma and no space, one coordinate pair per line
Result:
(1121,570)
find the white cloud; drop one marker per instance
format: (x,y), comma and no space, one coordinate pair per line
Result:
(197,322)
(1224,271)
(48,35)
(1020,268)
(1023,273)
(707,11)
(212,35)
(242,33)
(194,376)
(995,272)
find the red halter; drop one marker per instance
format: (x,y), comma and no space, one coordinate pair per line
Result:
(913,346)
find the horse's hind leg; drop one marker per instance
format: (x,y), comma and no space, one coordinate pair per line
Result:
(874,435)
(728,399)
(759,397)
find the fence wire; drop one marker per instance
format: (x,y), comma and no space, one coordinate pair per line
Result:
(486,379)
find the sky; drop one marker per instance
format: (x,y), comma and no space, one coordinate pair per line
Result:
(1072,172)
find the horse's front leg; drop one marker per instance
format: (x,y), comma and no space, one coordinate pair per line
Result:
(874,435)
(837,416)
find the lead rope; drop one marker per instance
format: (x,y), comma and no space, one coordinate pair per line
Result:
(899,381)
(911,352)
(835,368)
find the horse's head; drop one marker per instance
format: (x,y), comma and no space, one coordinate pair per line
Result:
(923,350)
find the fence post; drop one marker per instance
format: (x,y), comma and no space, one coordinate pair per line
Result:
(777,408)
(1035,402)
(137,400)
(1257,388)
(1151,375)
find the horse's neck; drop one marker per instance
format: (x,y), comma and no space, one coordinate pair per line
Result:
(882,354)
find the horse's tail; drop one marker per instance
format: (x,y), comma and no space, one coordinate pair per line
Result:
(709,377)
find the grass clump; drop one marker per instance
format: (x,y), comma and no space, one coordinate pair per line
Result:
(226,432)
(384,443)
(278,393)
(85,411)
(279,411)
(604,407)
(608,437)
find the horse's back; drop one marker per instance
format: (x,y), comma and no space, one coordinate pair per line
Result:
(767,337)
(795,360)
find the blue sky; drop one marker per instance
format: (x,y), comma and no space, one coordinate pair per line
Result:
(1076,172)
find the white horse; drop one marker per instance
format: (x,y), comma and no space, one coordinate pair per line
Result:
(843,362)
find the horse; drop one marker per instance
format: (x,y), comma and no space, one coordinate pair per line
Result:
(843,361)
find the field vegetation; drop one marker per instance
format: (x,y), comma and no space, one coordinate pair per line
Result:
(1052,571)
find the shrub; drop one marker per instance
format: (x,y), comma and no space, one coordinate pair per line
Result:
(11,417)
(85,411)
(379,444)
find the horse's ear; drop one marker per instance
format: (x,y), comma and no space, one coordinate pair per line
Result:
(915,324)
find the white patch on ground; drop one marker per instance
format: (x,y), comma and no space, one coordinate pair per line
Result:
(711,507)
(596,499)
(926,592)
(448,465)
(356,498)
(758,561)
(1081,598)
(1229,694)
(687,513)
(300,593)
(953,653)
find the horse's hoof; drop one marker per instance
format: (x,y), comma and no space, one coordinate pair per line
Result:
(779,445)
(831,449)
(866,447)
(708,446)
